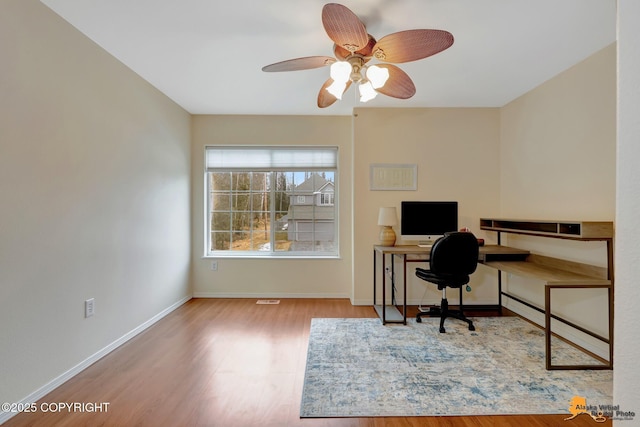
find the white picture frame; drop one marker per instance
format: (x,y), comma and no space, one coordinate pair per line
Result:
(393,177)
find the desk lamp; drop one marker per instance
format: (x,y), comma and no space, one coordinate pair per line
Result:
(387,218)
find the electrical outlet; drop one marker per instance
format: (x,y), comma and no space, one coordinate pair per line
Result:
(89,307)
(214,265)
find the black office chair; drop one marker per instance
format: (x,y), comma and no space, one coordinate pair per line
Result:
(453,258)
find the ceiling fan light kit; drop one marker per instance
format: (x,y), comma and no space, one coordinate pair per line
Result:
(354,48)
(351,70)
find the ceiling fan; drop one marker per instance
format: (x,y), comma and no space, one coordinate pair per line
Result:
(354,48)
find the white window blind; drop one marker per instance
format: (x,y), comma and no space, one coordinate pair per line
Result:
(271,158)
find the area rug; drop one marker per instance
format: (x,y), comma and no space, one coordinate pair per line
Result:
(361,368)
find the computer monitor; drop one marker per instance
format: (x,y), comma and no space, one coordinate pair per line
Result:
(426,221)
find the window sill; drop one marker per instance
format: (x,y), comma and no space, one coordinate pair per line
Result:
(287,257)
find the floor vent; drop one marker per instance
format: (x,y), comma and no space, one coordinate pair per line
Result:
(268,301)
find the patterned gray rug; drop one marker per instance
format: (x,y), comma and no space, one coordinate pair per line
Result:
(361,368)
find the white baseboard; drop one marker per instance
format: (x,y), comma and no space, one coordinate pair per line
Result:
(61,379)
(267,295)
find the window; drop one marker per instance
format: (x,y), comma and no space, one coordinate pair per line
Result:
(271,201)
(326,199)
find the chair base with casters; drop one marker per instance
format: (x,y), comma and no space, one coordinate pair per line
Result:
(443,312)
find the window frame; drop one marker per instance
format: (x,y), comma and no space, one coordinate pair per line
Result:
(330,196)
(272,171)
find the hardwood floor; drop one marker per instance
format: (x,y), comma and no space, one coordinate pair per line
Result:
(226,362)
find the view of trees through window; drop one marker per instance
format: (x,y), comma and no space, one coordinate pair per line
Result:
(271,211)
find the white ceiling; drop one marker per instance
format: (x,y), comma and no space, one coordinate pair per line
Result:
(207,55)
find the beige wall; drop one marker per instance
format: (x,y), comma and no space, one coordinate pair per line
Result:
(456,151)
(94,200)
(558,162)
(435,134)
(558,145)
(254,277)
(626,376)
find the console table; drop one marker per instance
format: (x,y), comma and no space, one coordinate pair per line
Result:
(558,273)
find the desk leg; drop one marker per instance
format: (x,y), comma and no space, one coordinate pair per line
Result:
(610,311)
(547,327)
(393,280)
(389,313)
(499,282)
(374,278)
(394,301)
(548,334)
(384,287)
(500,292)
(610,276)
(404,290)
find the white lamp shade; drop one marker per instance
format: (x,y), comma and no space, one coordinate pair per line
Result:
(367,92)
(340,71)
(336,89)
(387,216)
(377,76)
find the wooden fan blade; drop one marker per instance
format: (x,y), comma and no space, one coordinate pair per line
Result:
(344,27)
(325,99)
(305,63)
(411,45)
(399,85)
(368,49)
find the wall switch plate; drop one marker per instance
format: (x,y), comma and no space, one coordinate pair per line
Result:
(89,307)
(214,265)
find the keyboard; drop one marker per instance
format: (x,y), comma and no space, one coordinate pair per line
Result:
(422,245)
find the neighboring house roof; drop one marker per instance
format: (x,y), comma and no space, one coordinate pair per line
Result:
(313,184)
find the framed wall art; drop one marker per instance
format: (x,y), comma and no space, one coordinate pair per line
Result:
(387,176)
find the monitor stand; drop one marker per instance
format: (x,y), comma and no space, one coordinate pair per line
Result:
(425,243)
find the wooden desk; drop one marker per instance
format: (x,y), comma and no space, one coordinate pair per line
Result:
(557,273)
(412,253)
